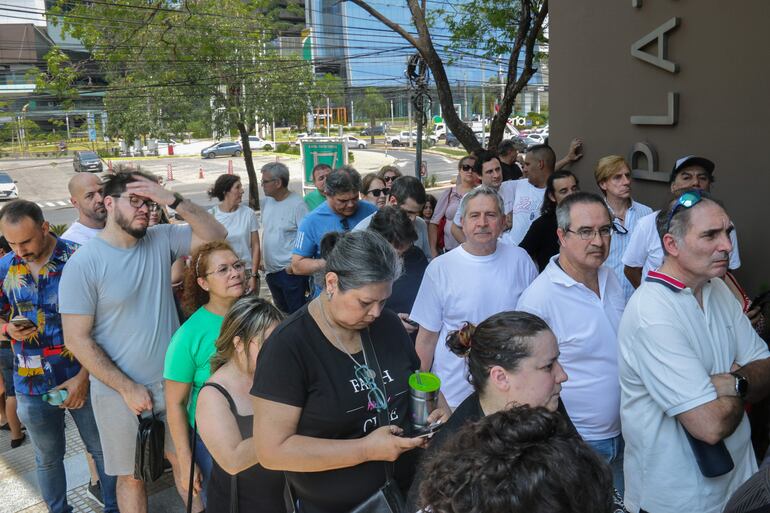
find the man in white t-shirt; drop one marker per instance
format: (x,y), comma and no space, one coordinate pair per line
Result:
(644,252)
(526,195)
(282,211)
(489,169)
(688,359)
(582,301)
(86,196)
(408,194)
(477,279)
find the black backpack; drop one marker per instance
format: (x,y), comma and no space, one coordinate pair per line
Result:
(148,459)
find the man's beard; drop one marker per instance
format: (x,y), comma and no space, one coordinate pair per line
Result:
(99,217)
(125,224)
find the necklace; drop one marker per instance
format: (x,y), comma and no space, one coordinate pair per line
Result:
(339,343)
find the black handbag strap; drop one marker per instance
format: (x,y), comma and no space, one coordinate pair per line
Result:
(383,416)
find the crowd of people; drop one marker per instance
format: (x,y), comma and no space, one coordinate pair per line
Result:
(593,355)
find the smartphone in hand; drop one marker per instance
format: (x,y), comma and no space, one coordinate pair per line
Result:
(22,322)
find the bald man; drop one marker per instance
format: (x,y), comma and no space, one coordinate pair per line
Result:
(86,196)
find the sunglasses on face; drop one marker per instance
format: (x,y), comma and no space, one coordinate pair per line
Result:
(376,192)
(466,167)
(686,200)
(389,178)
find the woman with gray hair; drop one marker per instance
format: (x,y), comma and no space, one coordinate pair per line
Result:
(328,372)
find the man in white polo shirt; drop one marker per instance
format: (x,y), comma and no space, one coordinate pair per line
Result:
(644,252)
(477,279)
(688,358)
(582,301)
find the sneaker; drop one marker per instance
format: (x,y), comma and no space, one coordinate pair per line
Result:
(95,492)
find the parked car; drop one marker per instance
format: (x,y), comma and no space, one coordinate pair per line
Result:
(232,149)
(451,140)
(403,138)
(355,142)
(87,161)
(257,143)
(8,189)
(375,130)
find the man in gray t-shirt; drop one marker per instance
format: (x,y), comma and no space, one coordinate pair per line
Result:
(282,212)
(118,313)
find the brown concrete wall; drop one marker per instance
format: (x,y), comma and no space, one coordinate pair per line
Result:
(723,82)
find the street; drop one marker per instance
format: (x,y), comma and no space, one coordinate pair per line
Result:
(45,181)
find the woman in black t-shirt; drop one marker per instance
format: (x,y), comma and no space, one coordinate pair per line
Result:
(315,395)
(541,241)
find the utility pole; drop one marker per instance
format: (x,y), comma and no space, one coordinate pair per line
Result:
(328,115)
(417,74)
(483,103)
(409,114)
(465,89)
(392,119)
(352,114)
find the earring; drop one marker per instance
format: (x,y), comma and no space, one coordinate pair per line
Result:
(329,294)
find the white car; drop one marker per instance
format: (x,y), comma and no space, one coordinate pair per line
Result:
(8,190)
(257,143)
(355,142)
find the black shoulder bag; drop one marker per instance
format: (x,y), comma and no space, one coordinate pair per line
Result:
(148,457)
(387,499)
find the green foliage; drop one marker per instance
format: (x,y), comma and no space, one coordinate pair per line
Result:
(58,79)
(485,26)
(58,229)
(372,105)
(538,119)
(287,148)
(332,87)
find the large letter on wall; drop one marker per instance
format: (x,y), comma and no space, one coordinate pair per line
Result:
(670,118)
(660,60)
(651,156)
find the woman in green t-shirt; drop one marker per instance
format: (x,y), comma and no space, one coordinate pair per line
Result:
(214,280)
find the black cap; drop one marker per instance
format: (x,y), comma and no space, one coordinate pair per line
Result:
(692,160)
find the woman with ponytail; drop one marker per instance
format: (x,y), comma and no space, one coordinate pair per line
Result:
(512,361)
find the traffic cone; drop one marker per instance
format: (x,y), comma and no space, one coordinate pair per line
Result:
(229,167)
(169,173)
(200,173)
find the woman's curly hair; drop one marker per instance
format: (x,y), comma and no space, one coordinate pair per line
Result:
(522,460)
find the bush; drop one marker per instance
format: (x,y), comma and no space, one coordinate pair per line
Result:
(287,148)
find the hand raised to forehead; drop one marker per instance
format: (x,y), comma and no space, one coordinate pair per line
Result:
(150,189)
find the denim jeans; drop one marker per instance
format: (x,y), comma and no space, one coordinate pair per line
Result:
(45,426)
(205,463)
(288,290)
(611,451)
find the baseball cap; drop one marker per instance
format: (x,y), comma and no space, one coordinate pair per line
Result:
(692,160)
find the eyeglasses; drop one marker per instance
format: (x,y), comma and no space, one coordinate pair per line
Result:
(224,270)
(390,178)
(619,228)
(589,233)
(263,182)
(376,192)
(686,200)
(375,396)
(137,202)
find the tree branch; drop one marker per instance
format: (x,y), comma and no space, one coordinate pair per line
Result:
(395,27)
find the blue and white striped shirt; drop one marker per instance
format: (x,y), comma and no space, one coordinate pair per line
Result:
(620,242)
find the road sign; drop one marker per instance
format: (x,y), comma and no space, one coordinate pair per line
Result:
(438,119)
(333,152)
(92,134)
(91,126)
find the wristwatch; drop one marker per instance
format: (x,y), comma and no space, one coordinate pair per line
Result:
(178,198)
(741,385)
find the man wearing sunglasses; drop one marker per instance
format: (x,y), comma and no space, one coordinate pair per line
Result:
(689,359)
(118,314)
(341,212)
(644,252)
(408,194)
(582,301)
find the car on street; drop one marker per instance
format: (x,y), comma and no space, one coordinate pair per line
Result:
(87,161)
(451,140)
(377,130)
(8,189)
(257,143)
(220,149)
(403,138)
(355,142)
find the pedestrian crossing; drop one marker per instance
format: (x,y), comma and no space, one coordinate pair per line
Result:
(53,204)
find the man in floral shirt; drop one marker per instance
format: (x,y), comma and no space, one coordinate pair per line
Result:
(29,288)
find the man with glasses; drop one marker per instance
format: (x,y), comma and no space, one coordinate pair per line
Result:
(582,302)
(118,315)
(86,196)
(644,252)
(282,213)
(342,211)
(318,196)
(43,368)
(408,194)
(689,359)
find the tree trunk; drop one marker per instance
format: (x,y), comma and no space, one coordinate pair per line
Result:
(244,131)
